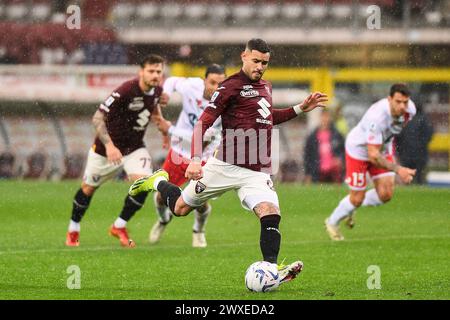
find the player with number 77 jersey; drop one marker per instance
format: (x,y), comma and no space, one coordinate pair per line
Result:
(120,123)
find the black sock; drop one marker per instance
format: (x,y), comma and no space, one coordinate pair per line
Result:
(80,205)
(169,193)
(270,237)
(132,204)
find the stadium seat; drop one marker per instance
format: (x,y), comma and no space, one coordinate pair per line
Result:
(341,11)
(218,13)
(37,166)
(271,11)
(40,12)
(316,11)
(195,11)
(243,12)
(292,11)
(74,166)
(147,11)
(171,10)
(17,11)
(2,11)
(7,160)
(123,12)
(433,18)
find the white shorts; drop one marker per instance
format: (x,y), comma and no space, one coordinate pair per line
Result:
(98,169)
(219,177)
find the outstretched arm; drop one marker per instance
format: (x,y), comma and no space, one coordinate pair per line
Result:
(314,100)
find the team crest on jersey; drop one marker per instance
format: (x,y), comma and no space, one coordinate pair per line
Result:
(137,104)
(199,187)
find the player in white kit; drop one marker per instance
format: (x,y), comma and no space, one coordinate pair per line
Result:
(369,149)
(196,93)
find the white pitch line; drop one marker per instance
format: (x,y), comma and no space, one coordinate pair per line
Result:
(146,247)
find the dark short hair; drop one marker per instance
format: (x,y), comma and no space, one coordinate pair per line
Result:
(151,59)
(215,69)
(401,88)
(258,45)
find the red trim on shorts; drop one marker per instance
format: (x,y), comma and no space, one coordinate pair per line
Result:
(356,171)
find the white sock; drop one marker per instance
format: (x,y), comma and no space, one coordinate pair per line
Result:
(200,219)
(344,209)
(371,199)
(162,211)
(120,223)
(157,181)
(74,226)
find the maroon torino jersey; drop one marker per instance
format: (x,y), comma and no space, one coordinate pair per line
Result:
(127,114)
(247,121)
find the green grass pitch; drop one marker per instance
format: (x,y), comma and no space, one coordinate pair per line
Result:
(408,239)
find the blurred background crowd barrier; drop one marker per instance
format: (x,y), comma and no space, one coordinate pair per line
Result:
(52,78)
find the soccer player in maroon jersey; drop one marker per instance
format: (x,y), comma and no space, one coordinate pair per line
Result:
(120,123)
(243,160)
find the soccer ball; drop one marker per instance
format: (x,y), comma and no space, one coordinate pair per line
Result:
(262,276)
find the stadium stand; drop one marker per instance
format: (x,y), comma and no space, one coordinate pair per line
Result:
(199,32)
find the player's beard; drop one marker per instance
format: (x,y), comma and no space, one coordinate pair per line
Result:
(151,83)
(257,75)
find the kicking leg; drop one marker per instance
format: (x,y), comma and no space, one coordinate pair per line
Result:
(170,193)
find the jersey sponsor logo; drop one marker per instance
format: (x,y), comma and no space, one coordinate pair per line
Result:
(137,104)
(199,187)
(109,101)
(249,93)
(264,121)
(265,108)
(214,96)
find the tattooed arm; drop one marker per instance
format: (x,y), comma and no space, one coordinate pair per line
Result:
(377,159)
(112,153)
